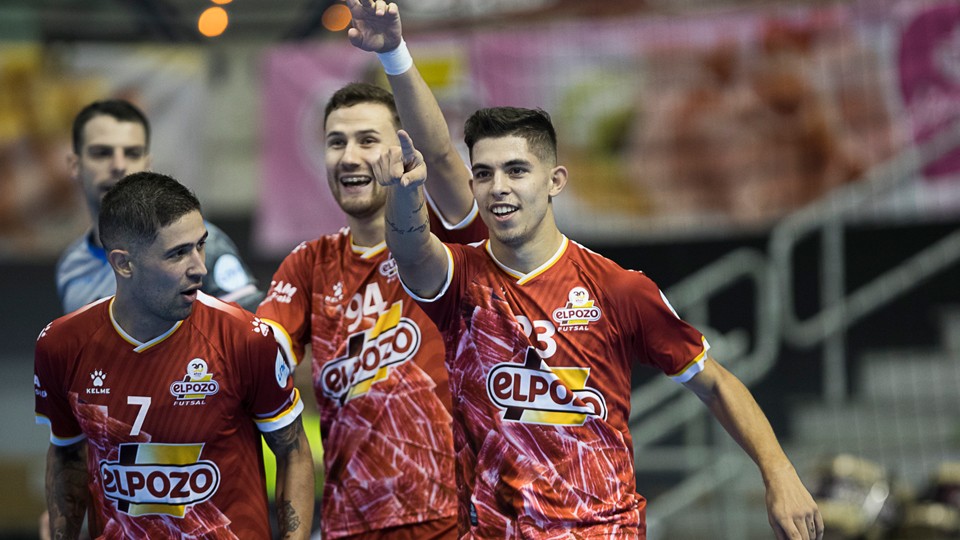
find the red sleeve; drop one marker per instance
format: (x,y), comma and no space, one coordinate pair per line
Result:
(474,231)
(52,404)
(661,338)
(271,397)
(443,309)
(288,300)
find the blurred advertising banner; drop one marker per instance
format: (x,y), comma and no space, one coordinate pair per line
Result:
(294,202)
(42,89)
(667,124)
(928,60)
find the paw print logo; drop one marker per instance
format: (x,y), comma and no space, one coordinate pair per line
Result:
(44,331)
(260,326)
(98,376)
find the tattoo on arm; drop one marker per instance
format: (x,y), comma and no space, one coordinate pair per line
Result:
(418,229)
(288,518)
(285,440)
(66,481)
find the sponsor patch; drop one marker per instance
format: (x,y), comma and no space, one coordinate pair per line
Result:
(578,312)
(37,389)
(196,385)
(535,393)
(149,478)
(370,355)
(388,269)
(97,380)
(282,370)
(281,292)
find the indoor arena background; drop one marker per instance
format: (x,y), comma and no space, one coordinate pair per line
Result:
(788,172)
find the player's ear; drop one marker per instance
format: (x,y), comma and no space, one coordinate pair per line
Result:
(558,179)
(73,163)
(121,262)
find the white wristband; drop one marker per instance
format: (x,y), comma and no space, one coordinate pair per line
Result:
(396,61)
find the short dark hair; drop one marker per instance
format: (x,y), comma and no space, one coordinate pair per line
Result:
(534,125)
(356,93)
(119,109)
(139,205)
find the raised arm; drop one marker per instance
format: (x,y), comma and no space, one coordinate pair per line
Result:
(791,510)
(67,491)
(294,479)
(420,255)
(376,28)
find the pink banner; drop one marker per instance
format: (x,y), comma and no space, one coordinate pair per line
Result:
(295,202)
(929,62)
(667,124)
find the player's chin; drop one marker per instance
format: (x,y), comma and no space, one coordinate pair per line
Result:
(182,309)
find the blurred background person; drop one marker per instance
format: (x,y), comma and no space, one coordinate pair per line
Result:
(111,138)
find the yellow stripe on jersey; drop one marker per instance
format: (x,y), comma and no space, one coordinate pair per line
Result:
(694,366)
(139,346)
(526,278)
(368,252)
(284,418)
(388,320)
(283,339)
(553,418)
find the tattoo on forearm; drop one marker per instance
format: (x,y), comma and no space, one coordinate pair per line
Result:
(66,479)
(412,229)
(394,228)
(287,517)
(285,440)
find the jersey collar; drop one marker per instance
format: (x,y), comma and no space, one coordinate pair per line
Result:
(368,252)
(526,278)
(139,346)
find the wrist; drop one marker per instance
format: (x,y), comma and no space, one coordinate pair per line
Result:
(397,61)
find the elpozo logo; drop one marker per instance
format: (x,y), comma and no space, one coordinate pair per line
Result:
(535,393)
(578,312)
(196,385)
(370,354)
(150,478)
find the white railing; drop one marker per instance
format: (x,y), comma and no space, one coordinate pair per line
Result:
(662,407)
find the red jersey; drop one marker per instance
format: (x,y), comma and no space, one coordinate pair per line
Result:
(379,380)
(540,367)
(172,424)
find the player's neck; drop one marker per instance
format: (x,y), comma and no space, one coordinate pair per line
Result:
(532,253)
(129,315)
(366,232)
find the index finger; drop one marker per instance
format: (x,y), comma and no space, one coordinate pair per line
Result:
(406,146)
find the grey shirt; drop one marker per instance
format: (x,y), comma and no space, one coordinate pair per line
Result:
(84,275)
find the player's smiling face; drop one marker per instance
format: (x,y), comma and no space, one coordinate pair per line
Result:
(169,272)
(355,137)
(513,188)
